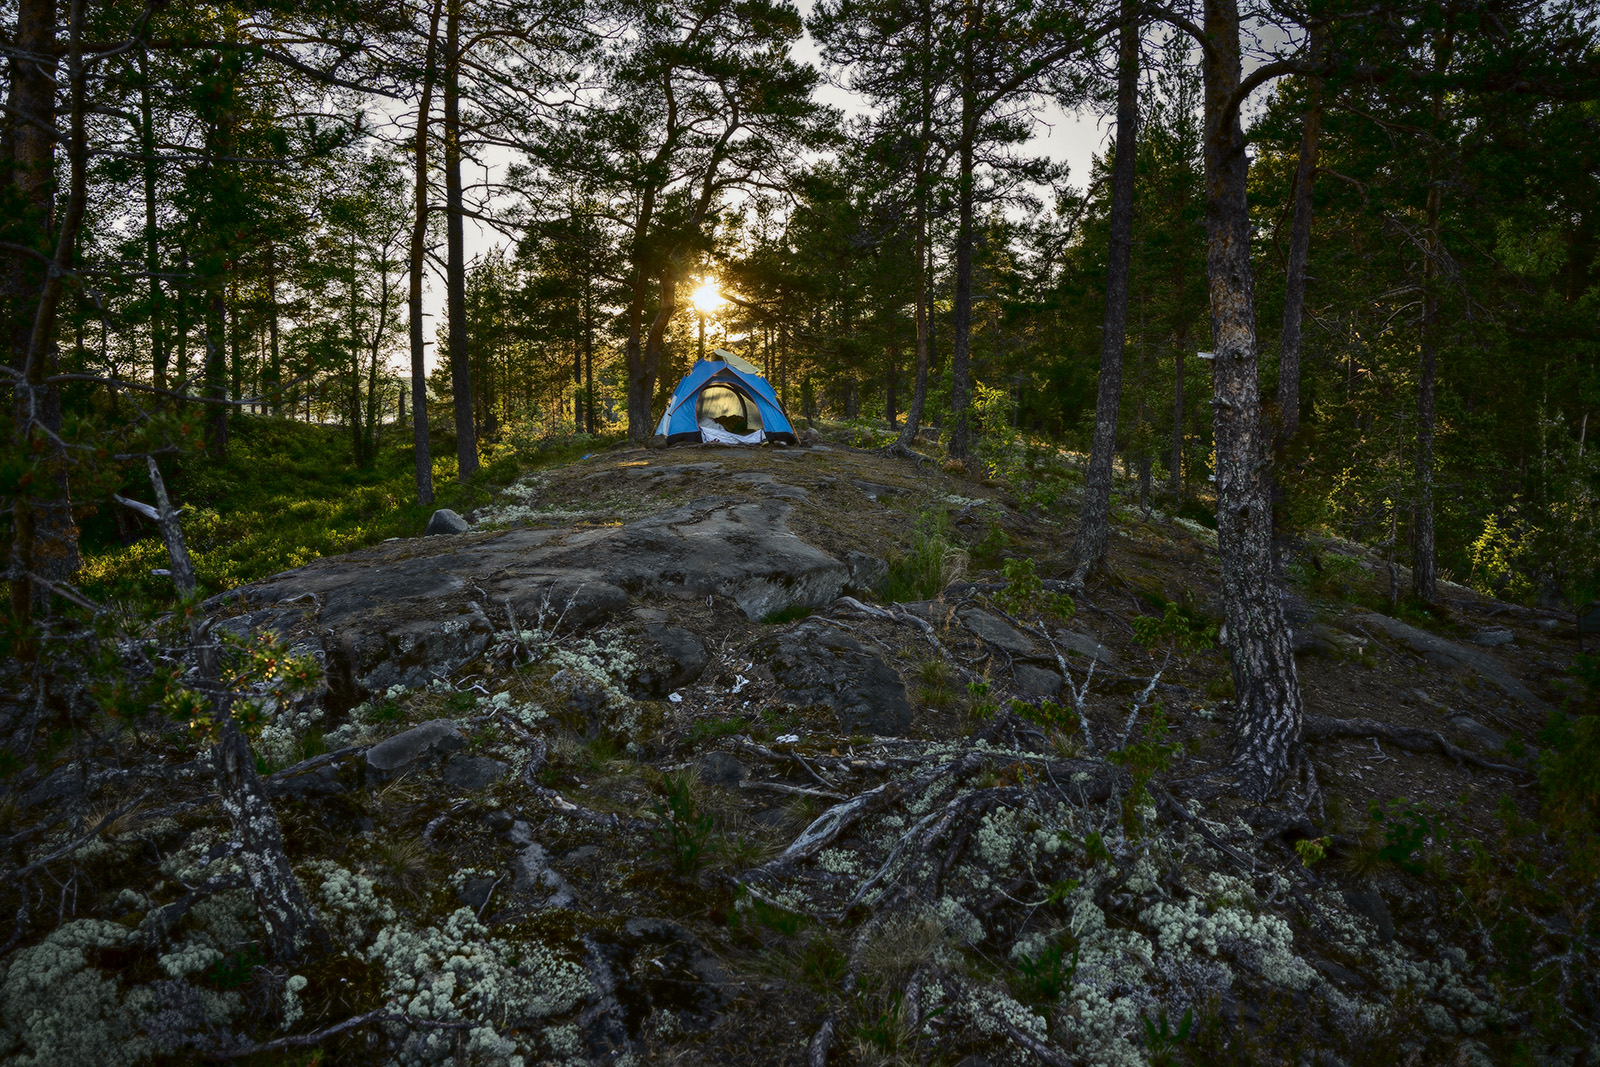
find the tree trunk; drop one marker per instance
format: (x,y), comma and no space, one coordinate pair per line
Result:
(891,385)
(275,363)
(216,369)
(1177,421)
(1094,520)
(456,271)
(919,387)
(419,244)
(588,352)
(645,382)
(44,537)
(1266,685)
(961,350)
(291,923)
(1424,560)
(147,145)
(1294,297)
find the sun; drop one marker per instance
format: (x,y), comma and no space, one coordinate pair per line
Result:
(706,299)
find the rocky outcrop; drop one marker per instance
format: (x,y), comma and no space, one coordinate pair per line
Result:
(406,612)
(1444,653)
(816,664)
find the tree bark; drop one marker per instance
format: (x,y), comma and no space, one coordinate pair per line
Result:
(919,388)
(960,445)
(216,369)
(275,363)
(456,271)
(419,247)
(1294,298)
(1177,420)
(1267,687)
(44,537)
(1424,557)
(147,145)
(1094,521)
(291,923)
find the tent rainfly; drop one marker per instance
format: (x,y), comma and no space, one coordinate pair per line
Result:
(725,400)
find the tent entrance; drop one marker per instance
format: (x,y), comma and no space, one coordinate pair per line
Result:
(728,409)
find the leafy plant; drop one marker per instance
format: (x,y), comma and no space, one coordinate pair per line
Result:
(1182,626)
(1047,976)
(1407,831)
(1024,592)
(1162,1042)
(684,833)
(1312,850)
(237,968)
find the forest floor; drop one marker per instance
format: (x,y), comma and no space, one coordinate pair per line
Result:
(574,794)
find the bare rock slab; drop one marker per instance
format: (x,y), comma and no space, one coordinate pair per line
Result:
(430,739)
(409,611)
(1448,653)
(821,665)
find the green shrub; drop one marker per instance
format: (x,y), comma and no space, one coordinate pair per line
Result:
(933,562)
(1184,627)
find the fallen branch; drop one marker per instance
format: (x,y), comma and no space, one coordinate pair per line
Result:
(1412,738)
(74,845)
(309,1040)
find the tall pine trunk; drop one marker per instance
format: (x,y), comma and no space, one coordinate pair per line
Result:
(456,269)
(1424,556)
(1267,687)
(1094,521)
(919,387)
(44,537)
(961,349)
(1294,295)
(419,246)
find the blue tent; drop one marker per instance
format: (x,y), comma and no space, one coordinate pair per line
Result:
(723,399)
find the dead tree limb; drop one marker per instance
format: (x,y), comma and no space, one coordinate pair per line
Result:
(1412,738)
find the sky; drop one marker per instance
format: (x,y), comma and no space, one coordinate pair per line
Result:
(1068,138)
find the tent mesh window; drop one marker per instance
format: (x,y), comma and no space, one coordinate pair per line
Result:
(728,408)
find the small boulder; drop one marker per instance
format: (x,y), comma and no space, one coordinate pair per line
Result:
(472,773)
(445,521)
(821,665)
(672,658)
(1086,646)
(867,572)
(1477,732)
(1493,637)
(474,892)
(999,633)
(1369,904)
(719,768)
(532,874)
(434,738)
(1036,682)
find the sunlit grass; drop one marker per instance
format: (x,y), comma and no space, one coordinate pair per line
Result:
(286,494)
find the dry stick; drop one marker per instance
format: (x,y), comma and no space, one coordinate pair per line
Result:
(795,790)
(308,1040)
(830,824)
(1045,1053)
(1413,738)
(67,849)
